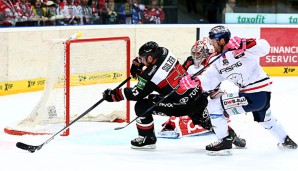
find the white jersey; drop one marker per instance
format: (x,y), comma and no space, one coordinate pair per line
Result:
(194,69)
(245,72)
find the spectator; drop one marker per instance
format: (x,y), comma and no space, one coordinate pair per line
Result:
(97,7)
(39,12)
(69,10)
(109,15)
(139,5)
(130,14)
(52,12)
(24,10)
(230,5)
(87,16)
(8,14)
(153,14)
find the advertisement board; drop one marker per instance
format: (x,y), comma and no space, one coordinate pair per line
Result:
(283,57)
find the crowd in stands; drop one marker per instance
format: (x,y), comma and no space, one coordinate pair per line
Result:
(80,12)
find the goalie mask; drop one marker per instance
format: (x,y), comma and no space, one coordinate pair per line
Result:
(199,52)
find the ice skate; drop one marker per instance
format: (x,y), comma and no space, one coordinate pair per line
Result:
(288,144)
(237,141)
(220,148)
(144,142)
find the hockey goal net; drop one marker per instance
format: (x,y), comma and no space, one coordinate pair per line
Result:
(79,71)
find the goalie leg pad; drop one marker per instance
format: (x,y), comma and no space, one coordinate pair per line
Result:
(232,103)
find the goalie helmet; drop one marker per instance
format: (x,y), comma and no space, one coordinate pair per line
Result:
(147,49)
(199,52)
(219,32)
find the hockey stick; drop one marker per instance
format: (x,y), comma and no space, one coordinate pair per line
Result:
(32,148)
(164,97)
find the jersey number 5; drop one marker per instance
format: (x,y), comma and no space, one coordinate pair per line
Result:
(175,76)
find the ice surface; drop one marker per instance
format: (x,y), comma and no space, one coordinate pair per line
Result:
(97,146)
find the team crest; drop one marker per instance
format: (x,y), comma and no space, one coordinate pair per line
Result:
(225,61)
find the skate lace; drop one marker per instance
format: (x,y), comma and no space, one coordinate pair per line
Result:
(140,139)
(216,143)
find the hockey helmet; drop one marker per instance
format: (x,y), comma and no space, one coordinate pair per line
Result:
(199,52)
(219,32)
(149,48)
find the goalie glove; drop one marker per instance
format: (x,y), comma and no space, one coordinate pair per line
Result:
(238,46)
(136,67)
(113,95)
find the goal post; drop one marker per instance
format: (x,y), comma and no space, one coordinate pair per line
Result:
(78,71)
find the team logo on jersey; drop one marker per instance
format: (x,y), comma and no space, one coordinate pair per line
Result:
(141,84)
(184,100)
(231,67)
(225,61)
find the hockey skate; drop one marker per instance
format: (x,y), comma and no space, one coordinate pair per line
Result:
(288,144)
(237,141)
(144,142)
(223,147)
(220,148)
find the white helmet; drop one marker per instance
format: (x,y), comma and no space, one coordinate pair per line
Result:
(199,52)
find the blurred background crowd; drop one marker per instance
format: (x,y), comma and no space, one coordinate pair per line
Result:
(86,12)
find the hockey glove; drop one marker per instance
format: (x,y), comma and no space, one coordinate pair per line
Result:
(217,92)
(136,67)
(113,95)
(187,82)
(238,46)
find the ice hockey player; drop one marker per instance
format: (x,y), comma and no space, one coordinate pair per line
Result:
(176,127)
(241,66)
(161,74)
(201,53)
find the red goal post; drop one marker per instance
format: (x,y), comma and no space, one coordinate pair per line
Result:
(79,70)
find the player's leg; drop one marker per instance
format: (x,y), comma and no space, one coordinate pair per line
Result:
(145,124)
(226,135)
(263,115)
(145,127)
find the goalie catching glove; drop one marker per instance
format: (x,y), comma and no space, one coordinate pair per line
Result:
(136,67)
(113,95)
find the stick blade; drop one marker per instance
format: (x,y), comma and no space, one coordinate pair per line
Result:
(27,147)
(118,128)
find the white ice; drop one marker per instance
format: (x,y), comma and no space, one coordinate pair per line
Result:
(97,146)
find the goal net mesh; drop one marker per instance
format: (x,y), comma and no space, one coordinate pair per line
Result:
(78,72)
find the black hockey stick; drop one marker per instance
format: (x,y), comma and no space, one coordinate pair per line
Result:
(33,148)
(164,97)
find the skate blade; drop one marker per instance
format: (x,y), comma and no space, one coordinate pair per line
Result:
(168,134)
(285,148)
(145,147)
(220,153)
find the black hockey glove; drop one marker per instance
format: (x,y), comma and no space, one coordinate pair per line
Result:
(113,95)
(136,67)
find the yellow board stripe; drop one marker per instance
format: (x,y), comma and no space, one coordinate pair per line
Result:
(22,86)
(281,70)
